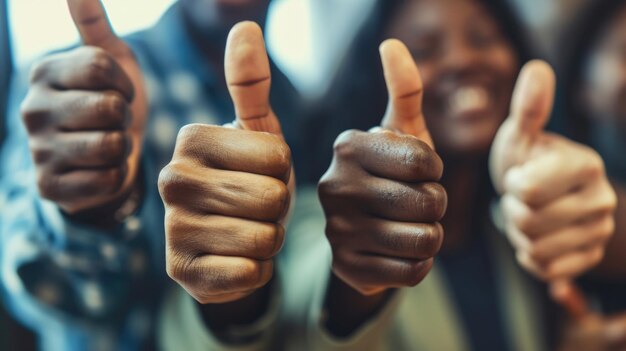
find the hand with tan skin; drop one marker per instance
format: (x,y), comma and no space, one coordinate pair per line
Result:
(556,199)
(382,200)
(227,191)
(85,114)
(586,330)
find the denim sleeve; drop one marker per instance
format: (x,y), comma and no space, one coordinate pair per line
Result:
(56,270)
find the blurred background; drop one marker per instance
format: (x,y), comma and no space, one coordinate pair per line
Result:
(307,39)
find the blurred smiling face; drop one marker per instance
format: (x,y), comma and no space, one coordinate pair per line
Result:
(467,66)
(604,79)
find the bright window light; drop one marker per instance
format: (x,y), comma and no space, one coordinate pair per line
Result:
(39,26)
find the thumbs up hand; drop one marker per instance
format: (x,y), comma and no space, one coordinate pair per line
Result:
(227,190)
(556,199)
(380,195)
(85,113)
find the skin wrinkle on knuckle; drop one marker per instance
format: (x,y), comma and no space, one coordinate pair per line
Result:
(415,161)
(265,240)
(179,268)
(429,201)
(284,158)
(274,198)
(276,156)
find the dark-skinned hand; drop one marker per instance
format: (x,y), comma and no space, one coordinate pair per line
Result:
(381,195)
(227,189)
(85,114)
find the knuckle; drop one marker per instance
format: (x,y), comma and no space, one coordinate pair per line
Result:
(177,266)
(337,226)
(332,187)
(413,273)
(174,226)
(171,179)
(529,192)
(47,185)
(248,275)
(39,71)
(112,105)
(188,136)
(40,153)
(594,167)
(432,201)
(33,118)
(112,146)
(189,132)
(609,200)
(276,195)
(524,221)
(326,185)
(268,240)
(413,159)
(429,241)
(344,146)
(418,156)
(607,228)
(282,157)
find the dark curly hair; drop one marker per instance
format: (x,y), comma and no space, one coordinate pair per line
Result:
(577,40)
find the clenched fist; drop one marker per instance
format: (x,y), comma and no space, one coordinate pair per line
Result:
(381,194)
(227,189)
(85,114)
(556,199)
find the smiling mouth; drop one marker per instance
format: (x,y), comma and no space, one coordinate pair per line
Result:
(468,101)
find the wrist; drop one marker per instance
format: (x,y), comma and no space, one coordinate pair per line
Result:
(241,321)
(346,309)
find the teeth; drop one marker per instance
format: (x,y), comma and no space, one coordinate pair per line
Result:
(469,98)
